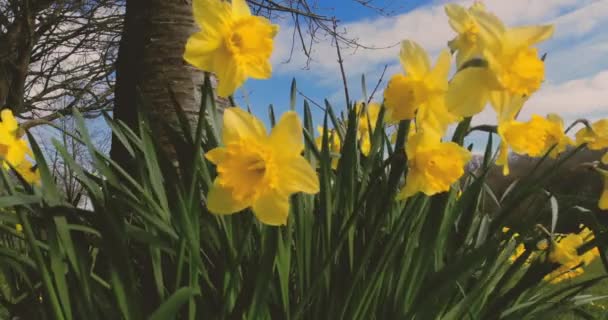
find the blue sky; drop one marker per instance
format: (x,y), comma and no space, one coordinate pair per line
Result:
(576,68)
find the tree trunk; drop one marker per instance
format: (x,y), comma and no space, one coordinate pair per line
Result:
(150,61)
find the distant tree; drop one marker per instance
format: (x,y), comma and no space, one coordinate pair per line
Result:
(58,54)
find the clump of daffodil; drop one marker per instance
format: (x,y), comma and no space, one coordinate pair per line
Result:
(334,145)
(565,252)
(534,137)
(258,170)
(595,137)
(433,166)
(420,93)
(368,116)
(14,150)
(508,64)
(233,44)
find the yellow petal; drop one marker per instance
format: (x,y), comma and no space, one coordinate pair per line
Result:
(221,201)
(528,36)
(605,158)
(216,155)
(211,15)
(468,92)
(503,158)
(457,16)
(298,176)
(8,120)
(230,76)
(286,136)
(366,144)
(239,124)
(414,183)
(399,98)
(240,9)
(439,74)
(200,49)
(492,29)
(272,208)
(507,106)
(259,69)
(414,59)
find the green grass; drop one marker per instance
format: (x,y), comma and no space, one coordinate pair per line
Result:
(598,309)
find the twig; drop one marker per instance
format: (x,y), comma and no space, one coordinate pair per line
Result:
(341,63)
(377,84)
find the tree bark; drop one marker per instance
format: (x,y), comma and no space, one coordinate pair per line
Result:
(149,62)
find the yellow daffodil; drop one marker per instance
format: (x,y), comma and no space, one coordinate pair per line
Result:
(367,124)
(565,252)
(14,150)
(513,65)
(334,145)
(19,228)
(603,203)
(595,137)
(233,44)
(258,170)
(421,92)
(433,166)
(466,43)
(534,137)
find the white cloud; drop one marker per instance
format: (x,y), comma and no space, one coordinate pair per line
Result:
(572,99)
(428,26)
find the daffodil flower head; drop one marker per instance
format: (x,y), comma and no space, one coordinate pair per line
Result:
(466,43)
(233,44)
(513,65)
(14,150)
(596,137)
(510,54)
(534,137)
(258,170)
(433,166)
(421,90)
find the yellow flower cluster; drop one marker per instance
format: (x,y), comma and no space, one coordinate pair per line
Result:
(565,251)
(14,150)
(496,65)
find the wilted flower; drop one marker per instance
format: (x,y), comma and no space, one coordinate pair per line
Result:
(258,170)
(233,44)
(433,166)
(421,92)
